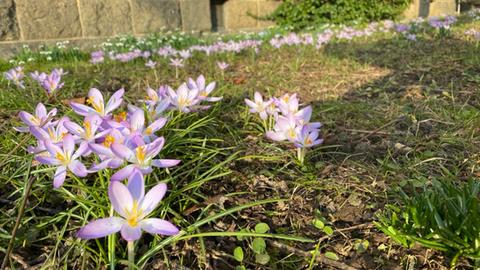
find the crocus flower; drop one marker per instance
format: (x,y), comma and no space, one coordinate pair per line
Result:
(222,65)
(52,133)
(107,157)
(141,158)
(52,83)
(39,77)
(137,126)
(259,106)
(151,64)
(307,137)
(95,99)
(63,159)
(42,118)
(285,128)
(177,62)
(15,75)
(88,133)
(203,91)
(183,98)
(133,206)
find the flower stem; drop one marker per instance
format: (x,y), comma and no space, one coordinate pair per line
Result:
(131,255)
(28,188)
(301,154)
(111,246)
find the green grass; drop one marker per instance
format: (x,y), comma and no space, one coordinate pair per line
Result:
(395,114)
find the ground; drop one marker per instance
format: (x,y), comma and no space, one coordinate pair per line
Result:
(394,113)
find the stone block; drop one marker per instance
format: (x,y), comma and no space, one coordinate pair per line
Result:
(105,17)
(8,21)
(443,7)
(155,15)
(237,14)
(196,15)
(42,19)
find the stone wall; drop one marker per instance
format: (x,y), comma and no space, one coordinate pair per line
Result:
(43,20)
(429,8)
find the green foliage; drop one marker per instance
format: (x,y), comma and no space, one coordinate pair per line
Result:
(444,217)
(304,13)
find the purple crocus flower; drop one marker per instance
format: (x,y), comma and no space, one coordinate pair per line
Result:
(307,137)
(177,62)
(63,159)
(184,98)
(15,75)
(52,133)
(88,133)
(141,158)
(107,157)
(259,106)
(137,130)
(52,83)
(222,65)
(95,99)
(285,128)
(39,77)
(203,91)
(288,104)
(133,206)
(185,54)
(97,57)
(42,118)
(151,64)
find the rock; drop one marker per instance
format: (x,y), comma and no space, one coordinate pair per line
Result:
(8,21)
(105,17)
(155,15)
(196,15)
(42,19)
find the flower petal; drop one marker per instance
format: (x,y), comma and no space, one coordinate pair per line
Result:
(77,168)
(165,163)
(81,109)
(122,151)
(131,233)
(123,173)
(158,226)
(152,198)
(100,228)
(60,175)
(136,185)
(120,198)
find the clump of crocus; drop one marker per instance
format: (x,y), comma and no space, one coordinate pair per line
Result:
(287,122)
(49,82)
(15,75)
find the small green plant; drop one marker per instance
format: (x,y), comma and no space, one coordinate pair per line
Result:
(444,216)
(304,13)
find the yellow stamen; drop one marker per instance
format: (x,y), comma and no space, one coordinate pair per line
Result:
(97,107)
(109,139)
(88,129)
(134,216)
(35,120)
(140,153)
(149,131)
(292,133)
(120,117)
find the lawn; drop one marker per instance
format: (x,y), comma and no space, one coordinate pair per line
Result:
(398,115)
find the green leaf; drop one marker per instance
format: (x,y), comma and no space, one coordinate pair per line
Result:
(262,228)
(259,245)
(240,267)
(318,224)
(263,258)
(331,255)
(238,254)
(328,230)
